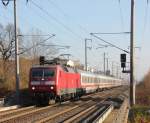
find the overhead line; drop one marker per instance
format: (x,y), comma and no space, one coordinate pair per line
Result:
(49,15)
(26,20)
(39,43)
(35,35)
(121,16)
(112,33)
(66,15)
(46,20)
(55,45)
(109,43)
(55,19)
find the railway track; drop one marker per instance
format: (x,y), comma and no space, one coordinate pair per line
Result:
(66,115)
(5,114)
(57,112)
(76,113)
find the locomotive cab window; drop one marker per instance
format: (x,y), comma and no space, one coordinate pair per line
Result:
(37,73)
(42,73)
(49,73)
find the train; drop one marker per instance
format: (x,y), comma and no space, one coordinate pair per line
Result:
(60,82)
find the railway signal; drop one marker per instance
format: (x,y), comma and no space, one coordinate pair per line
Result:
(42,60)
(123,60)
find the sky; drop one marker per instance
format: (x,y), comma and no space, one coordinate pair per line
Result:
(73,20)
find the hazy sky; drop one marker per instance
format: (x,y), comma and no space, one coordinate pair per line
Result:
(73,20)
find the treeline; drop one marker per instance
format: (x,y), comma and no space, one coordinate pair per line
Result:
(30,48)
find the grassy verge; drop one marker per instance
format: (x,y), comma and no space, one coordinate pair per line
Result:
(139,114)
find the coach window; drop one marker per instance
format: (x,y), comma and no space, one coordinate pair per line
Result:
(90,79)
(96,80)
(82,79)
(86,79)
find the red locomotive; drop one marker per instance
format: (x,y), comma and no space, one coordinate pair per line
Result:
(58,82)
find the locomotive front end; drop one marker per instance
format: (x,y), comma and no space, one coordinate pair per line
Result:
(43,82)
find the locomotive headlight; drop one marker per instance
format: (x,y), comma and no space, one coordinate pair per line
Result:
(52,87)
(33,88)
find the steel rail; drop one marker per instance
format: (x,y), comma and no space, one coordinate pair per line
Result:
(26,113)
(58,114)
(72,119)
(14,111)
(46,119)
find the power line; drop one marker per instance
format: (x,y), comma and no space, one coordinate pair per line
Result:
(25,20)
(93,34)
(37,44)
(56,20)
(112,33)
(55,45)
(77,36)
(58,8)
(66,16)
(121,16)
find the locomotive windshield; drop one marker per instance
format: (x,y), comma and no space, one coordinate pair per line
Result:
(48,73)
(42,73)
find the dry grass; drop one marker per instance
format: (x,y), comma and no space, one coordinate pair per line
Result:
(7,76)
(143,91)
(142,101)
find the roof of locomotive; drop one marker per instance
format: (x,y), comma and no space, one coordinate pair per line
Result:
(44,66)
(65,68)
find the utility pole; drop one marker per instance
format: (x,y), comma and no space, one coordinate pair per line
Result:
(112,68)
(107,64)
(117,71)
(5,3)
(86,54)
(16,52)
(132,84)
(104,63)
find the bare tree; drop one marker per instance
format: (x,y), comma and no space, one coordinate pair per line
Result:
(37,45)
(7,52)
(6,41)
